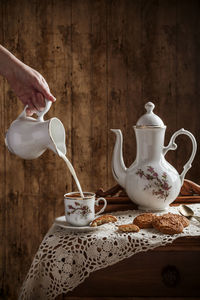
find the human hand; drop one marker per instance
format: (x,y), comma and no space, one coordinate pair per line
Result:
(30,86)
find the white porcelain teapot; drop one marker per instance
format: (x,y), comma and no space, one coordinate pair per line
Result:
(151,182)
(28,137)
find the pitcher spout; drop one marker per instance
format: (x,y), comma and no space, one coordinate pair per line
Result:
(57,137)
(118,166)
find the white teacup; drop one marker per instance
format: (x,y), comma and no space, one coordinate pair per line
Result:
(81,211)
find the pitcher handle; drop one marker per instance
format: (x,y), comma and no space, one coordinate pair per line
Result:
(172,146)
(97,203)
(40,114)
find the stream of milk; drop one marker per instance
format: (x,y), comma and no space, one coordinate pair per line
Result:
(72,171)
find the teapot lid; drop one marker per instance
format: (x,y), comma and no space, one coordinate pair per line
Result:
(149,119)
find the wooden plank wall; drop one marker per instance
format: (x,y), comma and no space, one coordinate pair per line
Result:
(103,61)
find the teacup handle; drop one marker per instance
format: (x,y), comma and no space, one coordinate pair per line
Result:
(172,146)
(97,204)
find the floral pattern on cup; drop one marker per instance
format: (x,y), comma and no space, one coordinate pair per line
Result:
(159,185)
(82,210)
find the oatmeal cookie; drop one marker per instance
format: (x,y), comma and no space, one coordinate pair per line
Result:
(144,220)
(182,219)
(103,220)
(167,224)
(128,228)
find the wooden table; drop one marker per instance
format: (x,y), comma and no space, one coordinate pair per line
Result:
(169,271)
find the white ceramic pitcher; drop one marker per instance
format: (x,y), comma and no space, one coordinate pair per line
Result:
(28,137)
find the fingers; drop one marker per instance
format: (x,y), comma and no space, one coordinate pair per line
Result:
(41,101)
(47,94)
(35,102)
(29,112)
(31,108)
(45,83)
(38,101)
(43,87)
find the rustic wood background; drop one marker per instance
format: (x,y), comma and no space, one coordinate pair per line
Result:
(103,61)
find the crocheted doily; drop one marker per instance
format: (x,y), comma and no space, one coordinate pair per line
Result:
(65,258)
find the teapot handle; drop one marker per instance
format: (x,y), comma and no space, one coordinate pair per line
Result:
(172,146)
(40,114)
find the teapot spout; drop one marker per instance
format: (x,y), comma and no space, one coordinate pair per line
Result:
(118,166)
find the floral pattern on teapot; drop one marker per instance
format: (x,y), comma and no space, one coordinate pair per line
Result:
(160,186)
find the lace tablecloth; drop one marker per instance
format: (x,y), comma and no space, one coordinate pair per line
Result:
(65,258)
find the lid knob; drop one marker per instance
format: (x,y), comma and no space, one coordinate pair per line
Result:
(149,119)
(149,107)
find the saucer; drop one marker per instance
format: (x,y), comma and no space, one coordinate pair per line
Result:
(61,221)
